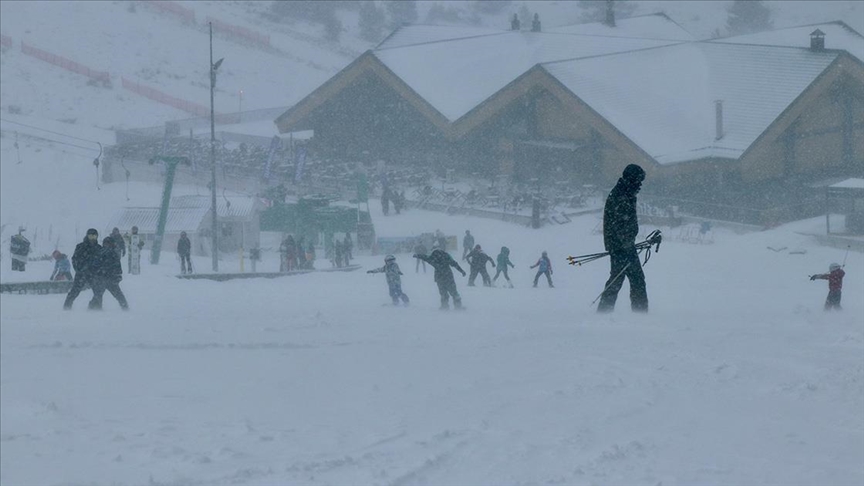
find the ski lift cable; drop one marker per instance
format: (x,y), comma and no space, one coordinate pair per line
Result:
(58,141)
(49,131)
(46,143)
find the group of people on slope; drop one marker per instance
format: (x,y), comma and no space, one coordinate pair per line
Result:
(296,255)
(477,260)
(97,266)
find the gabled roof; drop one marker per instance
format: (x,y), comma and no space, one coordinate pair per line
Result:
(652,26)
(838,35)
(664,99)
(226,206)
(146,219)
(455,76)
(411,34)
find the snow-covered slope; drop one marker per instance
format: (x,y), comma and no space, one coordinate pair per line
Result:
(157,50)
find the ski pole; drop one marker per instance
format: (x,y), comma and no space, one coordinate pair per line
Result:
(846,255)
(611,282)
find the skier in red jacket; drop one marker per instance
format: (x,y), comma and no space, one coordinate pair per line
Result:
(835,285)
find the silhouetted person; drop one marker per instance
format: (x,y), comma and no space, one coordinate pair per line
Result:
(620,227)
(85,261)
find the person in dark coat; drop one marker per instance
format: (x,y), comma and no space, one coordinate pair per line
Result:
(109,273)
(503,261)
(184,249)
(119,242)
(467,244)
(85,261)
(477,260)
(19,247)
(62,267)
(544,267)
(394,279)
(441,261)
(620,227)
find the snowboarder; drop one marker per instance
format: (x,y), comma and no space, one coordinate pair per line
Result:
(477,260)
(420,249)
(109,273)
(62,267)
(134,244)
(394,281)
(545,268)
(119,242)
(85,261)
(835,285)
(19,247)
(184,250)
(503,261)
(467,244)
(620,227)
(441,261)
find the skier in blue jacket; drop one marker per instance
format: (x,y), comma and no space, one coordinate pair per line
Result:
(545,269)
(394,279)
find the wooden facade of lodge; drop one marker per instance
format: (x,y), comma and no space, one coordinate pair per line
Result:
(537,127)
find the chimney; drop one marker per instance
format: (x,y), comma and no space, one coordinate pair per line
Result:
(610,13)
(817,40)
(718,119)
(535,24)
(514,24)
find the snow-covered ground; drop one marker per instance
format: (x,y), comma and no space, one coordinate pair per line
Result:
(736,376)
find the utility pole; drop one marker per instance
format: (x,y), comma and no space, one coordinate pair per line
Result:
(215,228)
(170,169)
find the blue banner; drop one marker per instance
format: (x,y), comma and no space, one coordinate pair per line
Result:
(275,144)
(301,163)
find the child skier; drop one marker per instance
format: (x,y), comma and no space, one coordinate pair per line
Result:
(503,261)
(545,269)
(441,261)
(62,267)
(835,285)
(477,261)
(394,281)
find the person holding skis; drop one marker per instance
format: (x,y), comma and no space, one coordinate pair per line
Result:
(62,267)
(85,261)
(835,285)
(109,273)
(394,281)
(545,268)
(477,261)
(503,261)
(184,251)
(441,261)
(620,227)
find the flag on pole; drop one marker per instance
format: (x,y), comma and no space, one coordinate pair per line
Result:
(301,163)
(275,144)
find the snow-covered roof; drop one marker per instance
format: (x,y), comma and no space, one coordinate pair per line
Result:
(664,99)
(146,219)
(852,183)
(454,76)
(407,35)
(226,206)
(653,26)
(838,35)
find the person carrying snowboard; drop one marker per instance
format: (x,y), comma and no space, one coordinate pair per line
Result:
(545,268)
(477,261)
(19,248)
(394,281)
(503,261)
(134,245)
(835,285)
(441,261)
